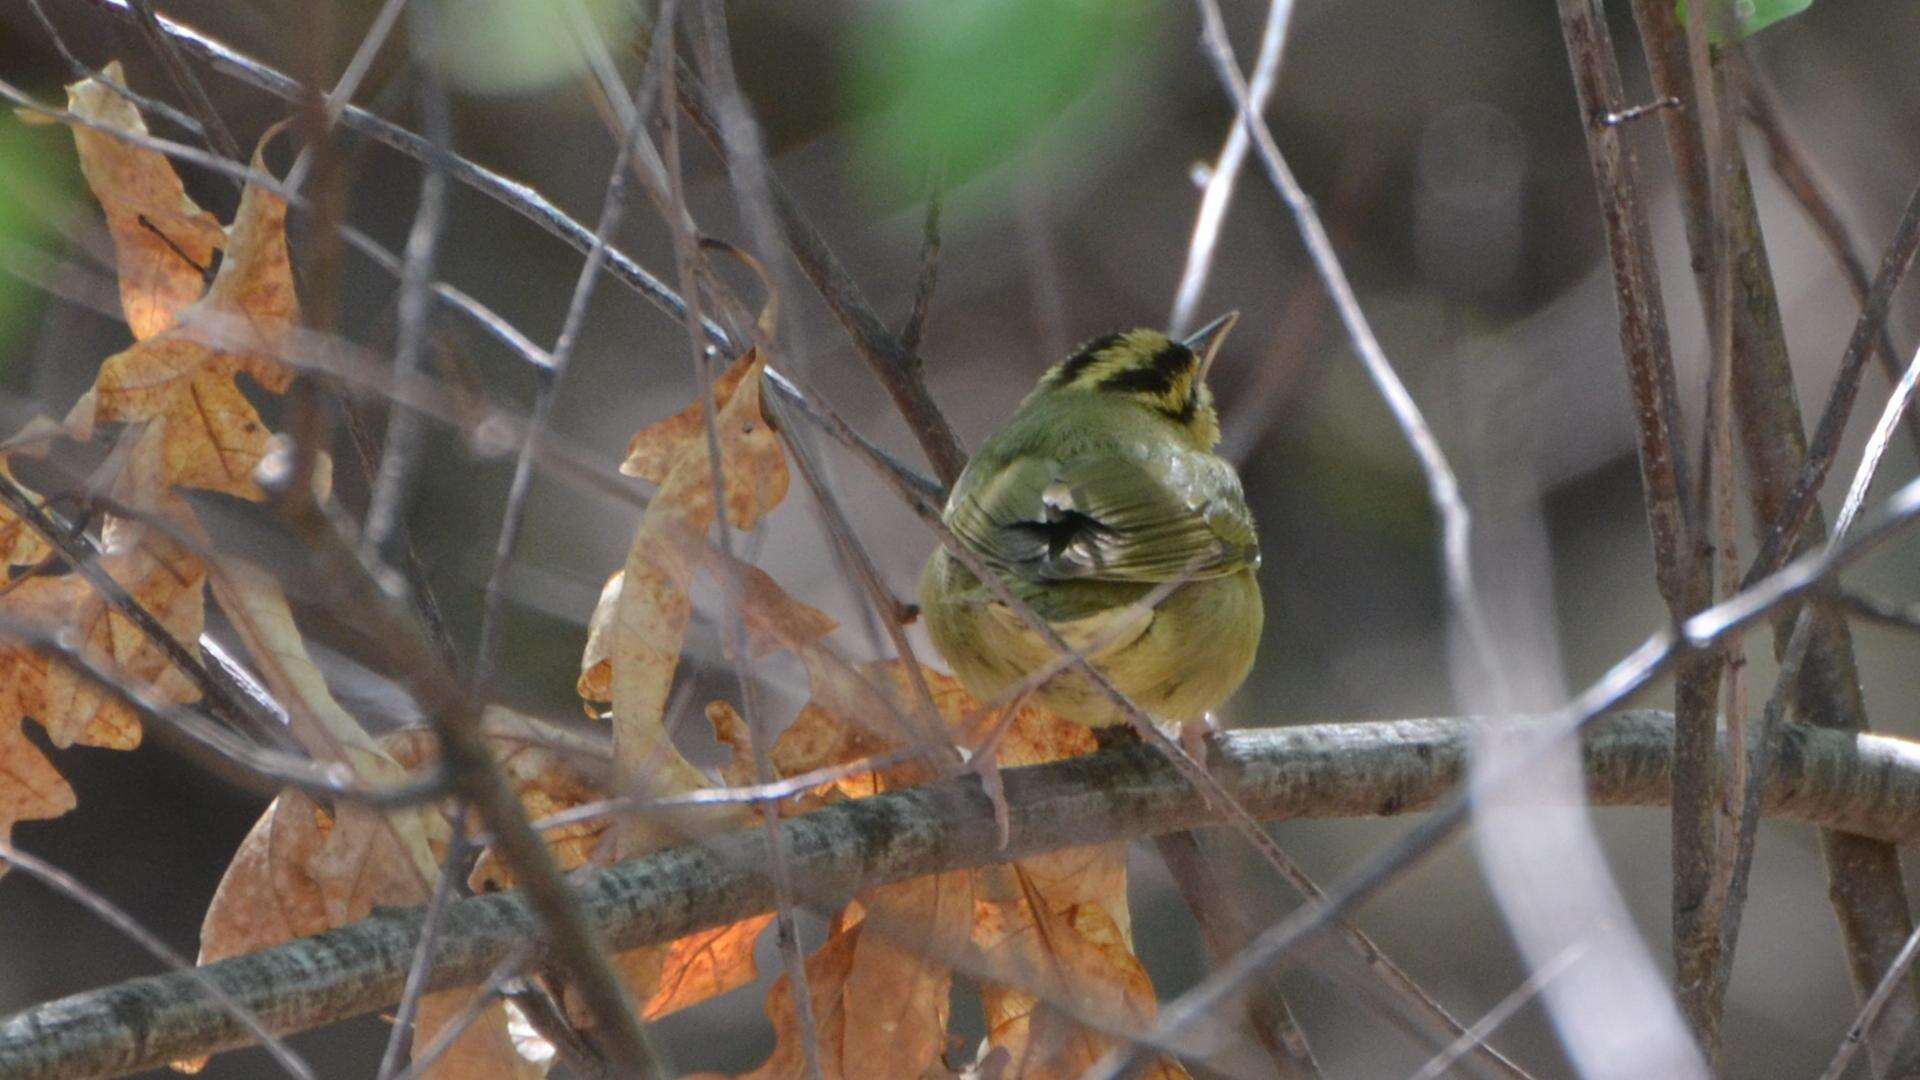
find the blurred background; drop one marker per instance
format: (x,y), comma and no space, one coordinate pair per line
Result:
(1442,145)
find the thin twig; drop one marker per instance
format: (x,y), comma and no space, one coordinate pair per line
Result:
(258,767)
(476,777)
(517,197)
(1700,868)
(84,71)
(612,208)
(1801,177)
(116,596)
(1226,928)
(1226,171)
(494,989)
(445,889)
(898,370)
(1781,537)
(1886,612)
(1868,895)
(915,328)
(1870,1012)
(1456,529)
(212,127)
(760,732)
(385,504)
(1437,1066)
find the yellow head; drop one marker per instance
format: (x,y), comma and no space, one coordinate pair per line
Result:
(1165,376)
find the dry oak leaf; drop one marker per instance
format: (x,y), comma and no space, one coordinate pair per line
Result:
(164,578)
(1040,957)
(302,870)
(163,243)
(20,545)
(641,624)
(30,787)
(705,965)
(754,472)
(880,985)
(184,376)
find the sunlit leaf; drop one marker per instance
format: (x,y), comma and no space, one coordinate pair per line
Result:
(183,377)
(163,243)
(879,985)
(704,965)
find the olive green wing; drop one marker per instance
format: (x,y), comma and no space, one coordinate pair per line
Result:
(1143,517)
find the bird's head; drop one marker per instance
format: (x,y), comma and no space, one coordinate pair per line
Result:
(1146,366)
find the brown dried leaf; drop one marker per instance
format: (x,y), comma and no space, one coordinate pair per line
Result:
(166,580)
(162,242)
(302,870)
(184,376)
(642,620)
(880,984)
(704,965)
(30,787)
(1042,953)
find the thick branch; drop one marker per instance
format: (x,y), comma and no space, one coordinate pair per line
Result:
(1864,784)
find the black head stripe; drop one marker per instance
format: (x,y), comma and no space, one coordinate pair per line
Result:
(1079,361)
(1155,377)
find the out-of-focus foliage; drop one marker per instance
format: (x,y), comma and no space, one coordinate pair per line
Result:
(1753,16)
(963,85)
(515,47)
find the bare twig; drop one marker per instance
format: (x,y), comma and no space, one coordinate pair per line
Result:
(1225,927)
(1682,568)
(1226,171)
(898,370)
(1781,536)
(445,889)
(476,777)
(261,768)
(83,70)
(760,733)
(915,327)
(1885,612)
(494,989)
(212,127)
(523,200)
(612,209)
(1437,1066)
(1456,529)
(385,505)
(1801,177)
(1864,783)
(1890,984)
(1869,896)
(116,596)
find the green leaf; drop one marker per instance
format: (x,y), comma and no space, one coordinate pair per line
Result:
(1752,16)
(967,83)
(33,177)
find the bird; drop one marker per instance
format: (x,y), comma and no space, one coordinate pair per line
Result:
(1102,506)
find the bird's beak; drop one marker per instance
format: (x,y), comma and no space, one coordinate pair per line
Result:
(1205,342)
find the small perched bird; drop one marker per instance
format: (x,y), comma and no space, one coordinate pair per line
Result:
(1102,489)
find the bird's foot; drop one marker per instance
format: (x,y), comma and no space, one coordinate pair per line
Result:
(984,762)
(1195,734)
